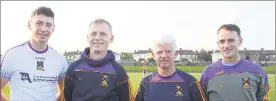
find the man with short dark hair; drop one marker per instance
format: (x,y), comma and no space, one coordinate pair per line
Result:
(96,76)
(33,69)
(233,78)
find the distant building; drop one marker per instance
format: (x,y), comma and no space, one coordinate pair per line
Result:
(183,54)
(75,55)
(117,56)
(216,56)
(257,56)
(72,56)
(187,54)
(141,54)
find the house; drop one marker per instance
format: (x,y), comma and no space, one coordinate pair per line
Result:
(183,54)
(259,56)
(117,56)
(142,54)
(256,56)
(72,56)
(216,56)
(75,55)
(187,54)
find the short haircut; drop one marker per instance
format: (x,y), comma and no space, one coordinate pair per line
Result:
(163,39)
(230,27)
(42,10)
(99,20)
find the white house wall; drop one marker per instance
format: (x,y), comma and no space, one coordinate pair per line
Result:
(117,57)
(216,56)
(139,56)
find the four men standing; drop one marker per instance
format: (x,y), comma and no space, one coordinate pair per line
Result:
(34,70)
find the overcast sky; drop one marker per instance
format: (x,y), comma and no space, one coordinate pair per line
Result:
(136,23)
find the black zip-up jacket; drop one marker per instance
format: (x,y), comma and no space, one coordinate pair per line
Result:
(97,80)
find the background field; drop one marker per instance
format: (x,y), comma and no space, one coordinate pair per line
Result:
(191,69)
(135,74)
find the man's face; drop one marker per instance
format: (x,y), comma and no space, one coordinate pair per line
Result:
(228,42)
(41,28)
(164,55)
(99,37)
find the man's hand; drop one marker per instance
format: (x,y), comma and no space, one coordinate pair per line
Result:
(3,84)
(58,96)
(3,97)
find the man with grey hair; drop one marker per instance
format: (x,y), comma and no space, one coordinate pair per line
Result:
(96,76)
(168,83)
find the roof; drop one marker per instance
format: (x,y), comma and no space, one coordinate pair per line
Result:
(142,52)
(181,52)
(79,53)
(72,53)
(216,51)
(269,52)
(187,52)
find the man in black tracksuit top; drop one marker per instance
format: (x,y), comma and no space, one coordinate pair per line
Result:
(97,79)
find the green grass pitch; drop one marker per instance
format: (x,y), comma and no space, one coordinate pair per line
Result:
(136,78)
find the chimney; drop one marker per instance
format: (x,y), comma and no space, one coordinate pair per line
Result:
(245,49)
(135,51)
(150,49)
(262,48)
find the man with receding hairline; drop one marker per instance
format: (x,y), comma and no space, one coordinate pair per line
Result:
(96,76)
(233,78)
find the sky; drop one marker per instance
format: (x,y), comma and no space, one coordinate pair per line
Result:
(193,24)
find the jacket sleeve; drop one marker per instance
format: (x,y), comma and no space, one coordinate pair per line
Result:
(69,83)
(203,82)
(123,86)
(196,92)
(6,66)
(263,88)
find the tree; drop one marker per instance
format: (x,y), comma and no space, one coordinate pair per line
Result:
(126,55)
(210,52)
(205,55)
(197,54)
(130,55)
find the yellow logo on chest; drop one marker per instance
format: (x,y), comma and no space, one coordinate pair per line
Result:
(104,81)
(178,91)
